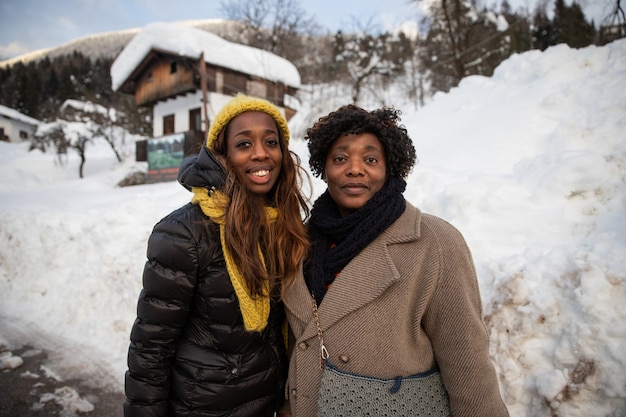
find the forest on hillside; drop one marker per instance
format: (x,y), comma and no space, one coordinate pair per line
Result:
(458,40)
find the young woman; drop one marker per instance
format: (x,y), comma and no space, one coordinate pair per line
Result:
(208,339)
(387,314)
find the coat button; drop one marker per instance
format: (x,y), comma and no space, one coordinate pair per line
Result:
(302,346)
(344,358)
(234,371)
(293,393)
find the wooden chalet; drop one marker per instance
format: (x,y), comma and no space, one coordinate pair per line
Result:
(186,75)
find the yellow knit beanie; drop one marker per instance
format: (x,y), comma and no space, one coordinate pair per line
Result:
(240,104)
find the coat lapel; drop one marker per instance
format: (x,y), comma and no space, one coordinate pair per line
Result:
(365,278)
(299,304)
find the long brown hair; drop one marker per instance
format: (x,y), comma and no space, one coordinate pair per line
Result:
(284,243)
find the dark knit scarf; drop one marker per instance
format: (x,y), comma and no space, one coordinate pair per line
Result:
(337,240)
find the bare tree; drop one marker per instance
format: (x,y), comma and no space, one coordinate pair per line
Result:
(614,25)
(462,41)
(366,55)
(271,24)
(103,122)
(413,79)
(82,123)
(64,135)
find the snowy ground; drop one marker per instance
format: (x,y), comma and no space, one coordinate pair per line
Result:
(529,164)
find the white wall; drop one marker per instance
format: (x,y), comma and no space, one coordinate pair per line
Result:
(13,127)
(180,107)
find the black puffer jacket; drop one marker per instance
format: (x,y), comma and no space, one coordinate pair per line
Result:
(190,354)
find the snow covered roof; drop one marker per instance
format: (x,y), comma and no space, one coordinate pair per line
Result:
(16,115)
(190,42)
(89,107)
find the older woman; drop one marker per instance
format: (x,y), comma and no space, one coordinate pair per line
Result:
(387,314)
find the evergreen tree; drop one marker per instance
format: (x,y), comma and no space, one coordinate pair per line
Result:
(544,33)
(7,85)
(31,91)
(18,101)
(571,27)
(519,31)
(50,90)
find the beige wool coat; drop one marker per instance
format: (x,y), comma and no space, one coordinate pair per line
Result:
(407,303)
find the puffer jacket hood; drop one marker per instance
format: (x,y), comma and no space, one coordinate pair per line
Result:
(202,170)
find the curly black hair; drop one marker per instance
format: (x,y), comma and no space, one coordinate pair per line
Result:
(351,119)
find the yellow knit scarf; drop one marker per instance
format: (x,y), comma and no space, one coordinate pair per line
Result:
(255,311)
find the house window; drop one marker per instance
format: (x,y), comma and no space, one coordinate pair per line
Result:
(173,67)
(168,124)
(195,120)
(234,83)
(23,134)
(2,135)
(150,79)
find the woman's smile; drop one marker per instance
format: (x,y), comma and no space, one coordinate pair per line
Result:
(254,150)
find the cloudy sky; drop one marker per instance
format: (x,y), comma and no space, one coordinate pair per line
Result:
(27,25)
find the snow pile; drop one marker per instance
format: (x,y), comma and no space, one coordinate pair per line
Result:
(9,361)
(68,399)
(529,164)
